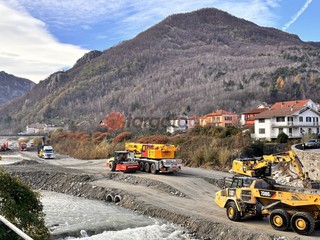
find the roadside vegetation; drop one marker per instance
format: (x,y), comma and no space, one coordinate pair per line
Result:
(208,147)
(22,207)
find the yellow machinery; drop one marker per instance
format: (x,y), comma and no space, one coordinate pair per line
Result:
(152,151)
(155,158)
(287,207)
(252,193)
(261,167)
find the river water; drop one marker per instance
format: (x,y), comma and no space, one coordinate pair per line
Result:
(67,216)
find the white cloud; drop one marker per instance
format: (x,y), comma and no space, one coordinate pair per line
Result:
(84,12)
(28,50)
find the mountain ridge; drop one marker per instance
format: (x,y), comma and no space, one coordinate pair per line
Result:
(203,60)
(12,87)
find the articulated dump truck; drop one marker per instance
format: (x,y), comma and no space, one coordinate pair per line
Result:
(254,193)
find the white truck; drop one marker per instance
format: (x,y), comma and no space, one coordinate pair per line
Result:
(46,152)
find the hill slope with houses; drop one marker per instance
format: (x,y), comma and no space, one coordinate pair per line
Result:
(294,118)
(200,61)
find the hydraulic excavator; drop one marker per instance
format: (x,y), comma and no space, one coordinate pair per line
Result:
(253,193)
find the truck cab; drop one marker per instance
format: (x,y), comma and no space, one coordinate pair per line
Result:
(46,152)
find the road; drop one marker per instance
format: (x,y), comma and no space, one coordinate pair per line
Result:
(199,194)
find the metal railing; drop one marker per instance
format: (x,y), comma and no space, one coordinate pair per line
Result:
(15,229)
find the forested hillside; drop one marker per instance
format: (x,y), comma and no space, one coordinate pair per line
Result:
(202,61)
(12,87)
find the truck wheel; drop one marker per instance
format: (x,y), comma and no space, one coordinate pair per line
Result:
(303,223)
(153,168)
(232,212)
(141,166)
(258,214)
(147,167)
(280,220)
(113,166)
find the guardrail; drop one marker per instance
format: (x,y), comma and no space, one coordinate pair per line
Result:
(15,229)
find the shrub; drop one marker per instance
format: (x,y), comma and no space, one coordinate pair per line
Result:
(282,138)
(122,137)
(161,139)
(22,207)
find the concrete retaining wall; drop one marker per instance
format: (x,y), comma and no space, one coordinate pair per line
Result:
(311,162)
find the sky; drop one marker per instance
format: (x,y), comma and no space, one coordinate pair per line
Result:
(40,37)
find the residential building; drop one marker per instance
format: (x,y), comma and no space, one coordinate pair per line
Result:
(40,128)
(182,124)
(219,118)
(294,118)
(247,117)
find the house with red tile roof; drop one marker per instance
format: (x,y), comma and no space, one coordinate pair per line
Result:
(247,117)
(294,118)
(219,118)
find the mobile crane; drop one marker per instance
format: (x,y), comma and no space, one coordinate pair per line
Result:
(252,193)
(155,158)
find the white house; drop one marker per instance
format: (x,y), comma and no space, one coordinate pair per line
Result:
(40,128)
(294,118)
(182,124)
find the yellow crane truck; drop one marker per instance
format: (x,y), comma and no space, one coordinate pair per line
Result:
(155,158)
(253,193)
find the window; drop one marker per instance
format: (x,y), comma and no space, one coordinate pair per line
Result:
(261,120)
(290,130)
(262,131)
(280,130)
(300,119)
(308,119)
(228,118)
(290,119)
(280,119)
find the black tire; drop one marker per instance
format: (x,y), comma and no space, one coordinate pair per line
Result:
(141,166)
(303,223)
(147,167)
(113,166)
(153,168)
(258,215)
(232,211)
(280,219)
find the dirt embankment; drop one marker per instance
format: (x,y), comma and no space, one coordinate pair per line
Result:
(99,186)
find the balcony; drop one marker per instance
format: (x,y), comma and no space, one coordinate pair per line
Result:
(295,124)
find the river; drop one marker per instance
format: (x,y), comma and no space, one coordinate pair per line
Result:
(67,215)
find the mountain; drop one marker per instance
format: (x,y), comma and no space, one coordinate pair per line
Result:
(12,87)
(200,61)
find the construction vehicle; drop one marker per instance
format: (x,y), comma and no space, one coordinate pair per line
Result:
(254,193)
(261,167)
(123,161)
(4,146)
(155,158)
(45,152)
(23,146)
